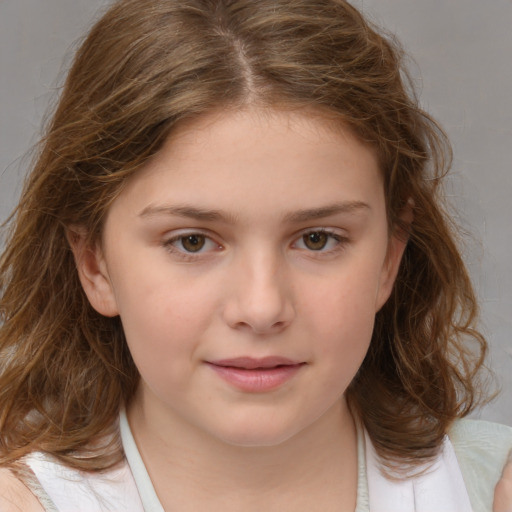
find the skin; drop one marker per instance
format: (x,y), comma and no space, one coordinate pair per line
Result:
(14,496)
(503,490)
(266,180)
(256,191)
(257,290)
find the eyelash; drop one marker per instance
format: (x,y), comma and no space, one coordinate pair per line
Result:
(170,244)
(341,241)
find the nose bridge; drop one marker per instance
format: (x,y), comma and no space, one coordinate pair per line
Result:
(261,298)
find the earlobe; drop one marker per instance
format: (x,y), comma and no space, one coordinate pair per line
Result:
(396,247)
(92,272)
(390,269)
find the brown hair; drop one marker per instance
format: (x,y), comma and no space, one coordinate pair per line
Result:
(150,64)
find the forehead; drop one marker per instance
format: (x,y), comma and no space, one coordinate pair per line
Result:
(250,159)
(271,129)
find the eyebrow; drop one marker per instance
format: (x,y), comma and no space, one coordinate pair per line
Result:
(189,212)
(346,207)
(200,214)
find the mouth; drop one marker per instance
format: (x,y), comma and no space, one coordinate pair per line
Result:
(250,363)
(256,375)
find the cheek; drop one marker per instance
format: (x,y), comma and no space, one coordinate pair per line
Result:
(164,319)
(346,300)
(155,293)
(341,318)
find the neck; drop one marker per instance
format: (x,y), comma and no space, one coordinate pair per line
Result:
(316,469)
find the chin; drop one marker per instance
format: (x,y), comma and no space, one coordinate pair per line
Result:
(255,434)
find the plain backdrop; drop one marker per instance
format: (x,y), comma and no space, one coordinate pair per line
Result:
(462,65)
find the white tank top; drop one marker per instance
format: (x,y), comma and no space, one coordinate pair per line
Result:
(128,488)
(62,489)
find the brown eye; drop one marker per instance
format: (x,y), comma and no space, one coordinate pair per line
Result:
(316,240)
(193,243)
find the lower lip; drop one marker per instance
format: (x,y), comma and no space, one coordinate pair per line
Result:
(256,380)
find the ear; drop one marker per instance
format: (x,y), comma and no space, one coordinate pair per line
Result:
(92,272)
(396,247)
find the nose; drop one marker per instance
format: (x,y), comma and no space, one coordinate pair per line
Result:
(260,296)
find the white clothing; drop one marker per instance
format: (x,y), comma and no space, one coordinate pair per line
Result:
(129,488)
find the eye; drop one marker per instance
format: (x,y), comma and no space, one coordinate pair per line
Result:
(315,241)
(319,240)
(191,243)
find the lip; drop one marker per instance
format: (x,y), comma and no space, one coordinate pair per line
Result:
(256,375)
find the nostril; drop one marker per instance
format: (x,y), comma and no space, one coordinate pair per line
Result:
(259,304)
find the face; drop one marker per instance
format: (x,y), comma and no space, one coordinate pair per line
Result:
(247,261)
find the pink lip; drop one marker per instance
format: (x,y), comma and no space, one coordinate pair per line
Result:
(256,375)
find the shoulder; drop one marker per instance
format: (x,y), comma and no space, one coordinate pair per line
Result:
(62,487)
(482,439)
(15,496)
(481,448)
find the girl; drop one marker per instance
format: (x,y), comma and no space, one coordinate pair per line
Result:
(230,283)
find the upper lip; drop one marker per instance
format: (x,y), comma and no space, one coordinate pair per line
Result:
(251,363)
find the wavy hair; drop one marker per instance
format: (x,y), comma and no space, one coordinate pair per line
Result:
(148,65)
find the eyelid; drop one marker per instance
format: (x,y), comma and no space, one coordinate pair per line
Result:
(168,242)
(175,236)
(334,234)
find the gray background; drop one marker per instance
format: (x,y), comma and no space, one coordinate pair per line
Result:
(462,51)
